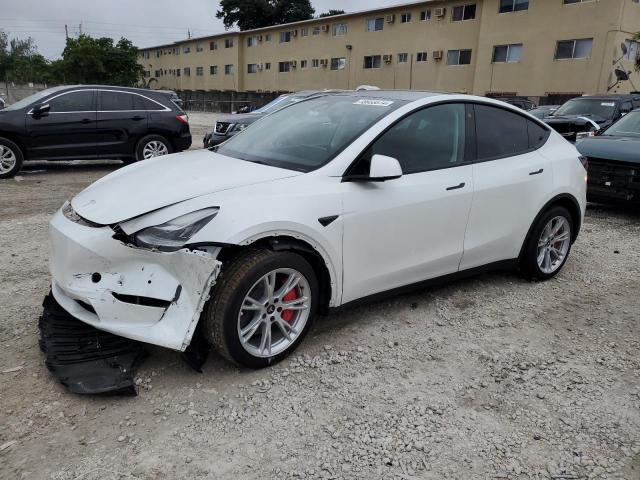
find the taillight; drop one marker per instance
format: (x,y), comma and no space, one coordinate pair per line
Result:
(584,161)
(183,118)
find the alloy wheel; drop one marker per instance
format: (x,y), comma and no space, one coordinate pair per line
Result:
(274,312)
(8,159)
(154,148)
(553,244)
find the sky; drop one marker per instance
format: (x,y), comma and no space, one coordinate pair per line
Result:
(144,22)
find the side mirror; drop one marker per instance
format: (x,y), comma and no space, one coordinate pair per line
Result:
(382,168)
(40,109)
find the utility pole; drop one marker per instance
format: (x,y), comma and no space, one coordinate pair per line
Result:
(189,34)
(80,28)
(66,32)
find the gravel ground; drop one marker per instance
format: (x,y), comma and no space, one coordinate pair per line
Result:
(492,377)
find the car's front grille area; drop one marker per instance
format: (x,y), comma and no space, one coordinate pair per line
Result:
(616,180)
(222,128)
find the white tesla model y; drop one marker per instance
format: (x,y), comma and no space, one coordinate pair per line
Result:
(325,202)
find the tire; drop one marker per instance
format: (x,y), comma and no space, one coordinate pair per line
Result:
(11,158)
(223,318)
(530,264)
(153,142)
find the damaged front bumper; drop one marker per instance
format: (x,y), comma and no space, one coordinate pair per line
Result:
(145,295)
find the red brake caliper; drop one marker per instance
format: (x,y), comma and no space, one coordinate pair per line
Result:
(287,315)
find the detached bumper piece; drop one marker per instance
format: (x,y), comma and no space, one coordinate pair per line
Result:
(84,359)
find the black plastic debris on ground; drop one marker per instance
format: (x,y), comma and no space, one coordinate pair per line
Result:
(84,359)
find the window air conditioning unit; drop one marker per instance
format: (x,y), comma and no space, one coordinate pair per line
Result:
(260,66)
(387,58)
(325,28)
(440,12)
(437,55)
(390,18)
(259,38)
(324,62)
(294,33)
(293,63)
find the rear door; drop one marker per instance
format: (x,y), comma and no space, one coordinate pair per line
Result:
(67,130)
(122,120)
(512,181)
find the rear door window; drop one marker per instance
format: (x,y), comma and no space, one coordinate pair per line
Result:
(116,101)
(500,133)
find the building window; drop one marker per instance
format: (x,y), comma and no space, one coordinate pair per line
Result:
(569,2)
(199,47)
(186,50)
(228,69)
(338,63)
(375,24)
(316,31)
(157,73)
(403,57)
(228,43)
(284,67)
(315,63)
(632,49)
(187,71)
(267,37)
(285,37)
(199,71)
(213,70)
(463,12)
(425,15)
(570,49)
(252,41)
(213,45)
(507,6)
(421,57)
(459,57)
(178,72)
(372,61)
(267,66)
(405,17)
(303,64)
(305,32)
(252,68)
(507,53)
(339,29)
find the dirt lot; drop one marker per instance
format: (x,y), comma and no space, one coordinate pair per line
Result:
(492,377)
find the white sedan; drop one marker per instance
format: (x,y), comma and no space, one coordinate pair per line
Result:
(326,202)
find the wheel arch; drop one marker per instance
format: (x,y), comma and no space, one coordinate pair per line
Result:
(15,139)
(317,258)
(565,200)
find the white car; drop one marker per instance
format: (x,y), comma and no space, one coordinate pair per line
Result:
(326,202)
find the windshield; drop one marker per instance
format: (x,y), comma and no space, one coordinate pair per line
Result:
(281,101)
(627,126)
(32,98)
(306,135)
(587,107)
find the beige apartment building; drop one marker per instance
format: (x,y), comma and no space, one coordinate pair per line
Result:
(546,49)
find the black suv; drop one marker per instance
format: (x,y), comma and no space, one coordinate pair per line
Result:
(87,122)
(585,115)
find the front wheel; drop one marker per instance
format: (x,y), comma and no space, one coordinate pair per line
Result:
(549,244)
(262,307)
(11,158)
(152,146)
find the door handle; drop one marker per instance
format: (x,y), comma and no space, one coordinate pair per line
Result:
(457,187)
(86,120)
(137,117)
(538,172)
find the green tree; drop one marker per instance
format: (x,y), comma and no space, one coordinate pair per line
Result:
(98,60)
(250,14)
(331,13)
(20,61)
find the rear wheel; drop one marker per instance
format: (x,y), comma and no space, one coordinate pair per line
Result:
(151,146)
(262,307)
(11,158)
(549,244)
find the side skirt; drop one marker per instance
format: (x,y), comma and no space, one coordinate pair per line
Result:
(502,265)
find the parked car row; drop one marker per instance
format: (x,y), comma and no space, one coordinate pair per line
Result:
(85,122)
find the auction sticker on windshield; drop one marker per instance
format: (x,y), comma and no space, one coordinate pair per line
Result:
(373,103)
(608,104)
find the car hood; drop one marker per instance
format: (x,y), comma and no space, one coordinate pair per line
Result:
(620,149)
(575,119)
(156,183)
(240,118)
